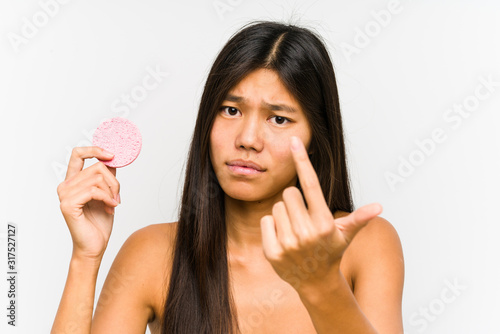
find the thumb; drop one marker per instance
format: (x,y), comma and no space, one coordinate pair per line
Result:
(350,225)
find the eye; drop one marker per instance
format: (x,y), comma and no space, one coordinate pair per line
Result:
(280,120)
(231,111)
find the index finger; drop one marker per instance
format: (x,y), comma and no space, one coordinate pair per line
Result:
(307,176)
(78,156)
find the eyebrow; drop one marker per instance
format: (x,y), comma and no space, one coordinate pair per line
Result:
(273,107)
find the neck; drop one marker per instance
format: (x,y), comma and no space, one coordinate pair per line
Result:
(243,223)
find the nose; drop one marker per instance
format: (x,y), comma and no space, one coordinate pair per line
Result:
(250,133)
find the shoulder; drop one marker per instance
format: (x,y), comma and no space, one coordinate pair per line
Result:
(377,244)
(137,276)
(377,240)
(149,250)
(378,236)
(142,263)
(144,237)
(375,265)
(144,248)
(378,233)
(152,240)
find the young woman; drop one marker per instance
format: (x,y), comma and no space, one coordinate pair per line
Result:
(267,240)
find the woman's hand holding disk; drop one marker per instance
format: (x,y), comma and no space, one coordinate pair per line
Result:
(88,198)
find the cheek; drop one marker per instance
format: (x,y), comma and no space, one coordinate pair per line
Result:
(218,141)
(282,156)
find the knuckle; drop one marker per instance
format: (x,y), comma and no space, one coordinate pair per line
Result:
(59,188)
(271,257)
(101,166)
(93,190)
(303,157)
(289,244)
(275,257)
(327,216)
(310,182)
(63,206)
(325,230)
(76,151)
(99,178)
(306,237)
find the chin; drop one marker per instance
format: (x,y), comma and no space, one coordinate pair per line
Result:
(243,194)
(250,193)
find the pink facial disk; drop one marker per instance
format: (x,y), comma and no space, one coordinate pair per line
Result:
(121,137)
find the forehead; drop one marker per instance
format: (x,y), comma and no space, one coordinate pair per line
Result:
(264,84)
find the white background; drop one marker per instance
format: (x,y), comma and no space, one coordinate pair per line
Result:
(407,71)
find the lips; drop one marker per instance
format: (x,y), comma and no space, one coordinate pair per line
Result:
(247,164)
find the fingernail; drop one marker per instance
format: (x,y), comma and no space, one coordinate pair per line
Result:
(295,143)
(109,154)
(119,198)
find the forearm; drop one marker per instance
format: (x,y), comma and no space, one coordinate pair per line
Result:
(333,307)
(74,314)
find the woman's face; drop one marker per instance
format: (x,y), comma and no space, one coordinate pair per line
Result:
(254,124)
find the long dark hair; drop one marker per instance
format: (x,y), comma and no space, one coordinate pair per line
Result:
(199,298)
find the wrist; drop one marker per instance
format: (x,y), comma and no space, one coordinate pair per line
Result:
(81,260)
(323,289)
